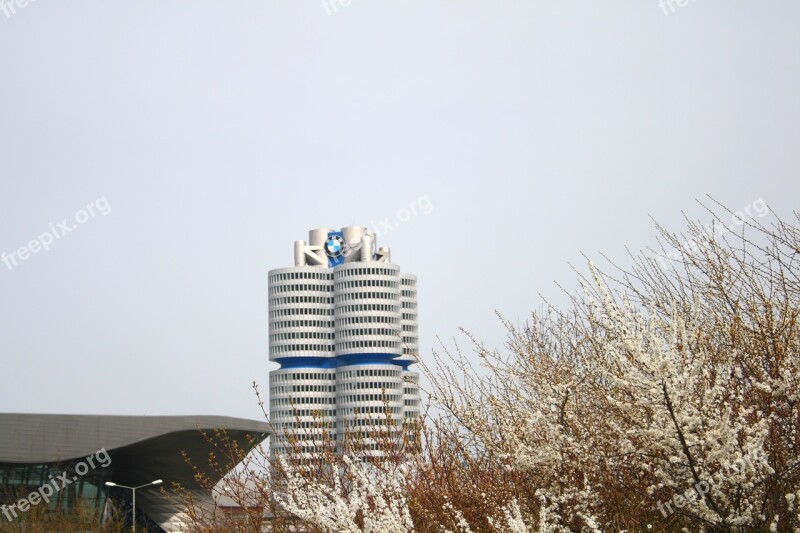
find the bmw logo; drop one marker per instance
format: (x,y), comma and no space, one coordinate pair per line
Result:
(334,246)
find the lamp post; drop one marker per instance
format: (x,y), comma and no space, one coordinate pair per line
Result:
(133,489)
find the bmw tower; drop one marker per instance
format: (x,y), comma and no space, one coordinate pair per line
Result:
(343,328)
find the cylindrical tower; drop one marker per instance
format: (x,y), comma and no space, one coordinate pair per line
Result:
(369,405)
(367,308)
(302,405)
(301,318)
(408,319)
(343,327)
(301,340)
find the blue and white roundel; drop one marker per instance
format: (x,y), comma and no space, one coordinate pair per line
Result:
(334,246)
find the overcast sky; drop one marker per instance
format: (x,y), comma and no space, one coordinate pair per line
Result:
(188,144)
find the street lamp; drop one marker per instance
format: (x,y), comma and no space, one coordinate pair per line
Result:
(133,509)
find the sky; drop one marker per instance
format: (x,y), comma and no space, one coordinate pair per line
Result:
(157,159)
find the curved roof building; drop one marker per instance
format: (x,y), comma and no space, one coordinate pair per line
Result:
(71,457)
